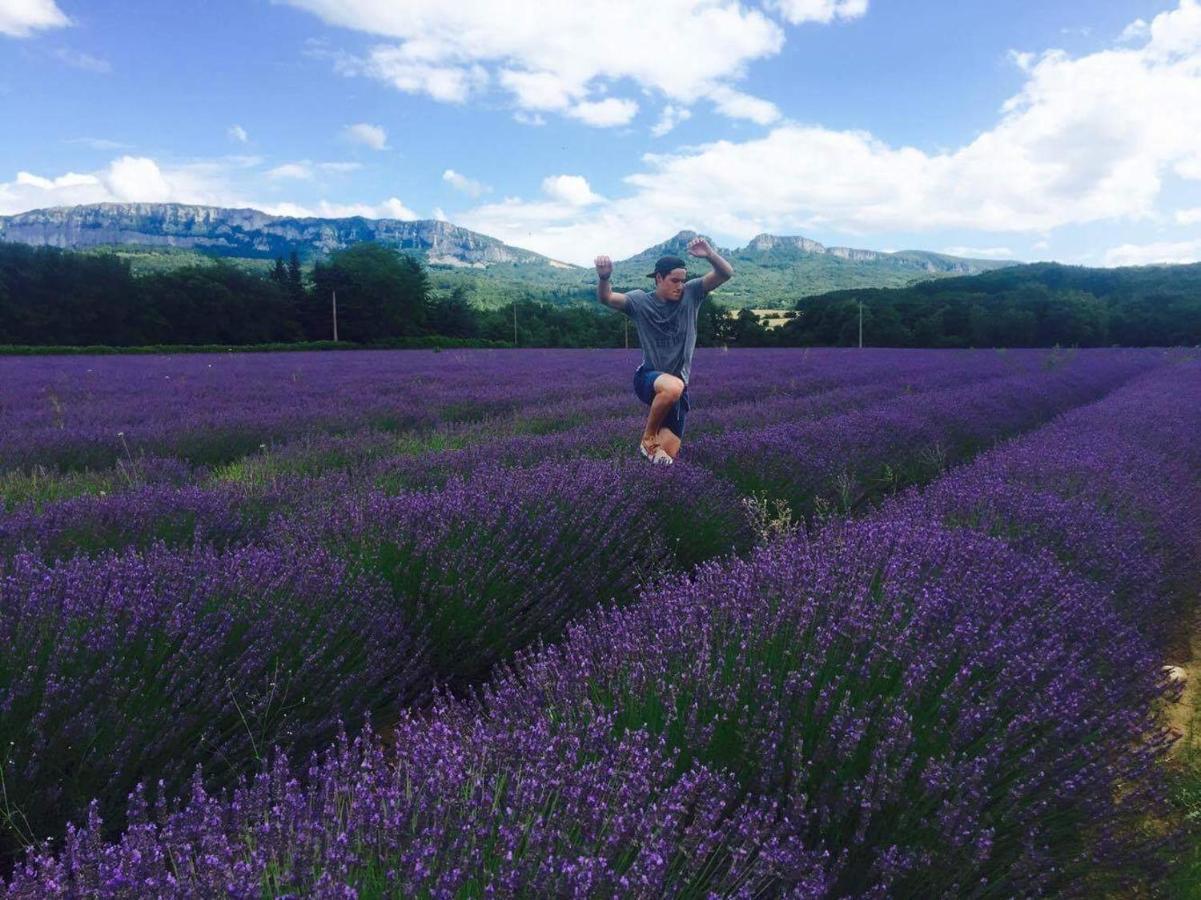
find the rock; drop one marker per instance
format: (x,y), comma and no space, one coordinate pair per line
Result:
(1176,674)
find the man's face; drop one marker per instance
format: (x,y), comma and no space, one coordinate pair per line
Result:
(671,286)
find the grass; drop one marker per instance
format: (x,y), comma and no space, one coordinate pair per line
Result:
(41,486)
(1184,880)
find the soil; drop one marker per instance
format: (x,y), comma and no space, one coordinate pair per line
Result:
(1185,715)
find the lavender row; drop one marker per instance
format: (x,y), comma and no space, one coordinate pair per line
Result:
(494,563)
(841,462)
(1111,489)
(139,667)
(92,412)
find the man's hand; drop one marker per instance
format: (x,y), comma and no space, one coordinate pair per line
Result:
(604,291)
(722,270)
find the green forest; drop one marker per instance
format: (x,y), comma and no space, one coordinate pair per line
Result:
(1037,305)
(52,297)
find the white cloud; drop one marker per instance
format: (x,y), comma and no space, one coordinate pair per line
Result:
(1176,34)
(573,190)
(98,143)
(439,214)
(395,66)
(85,61)
(1148,254)
(737,105)
(227,181)
(1024,60)
(559,58)
(372,136)
(238,133)
(540,90)
(127,179)
(670,118)
(1189,167)
(1137,30)
(21,18)
(339,168)
(1189,216)
(980,252)
(825,11)
(528,118)
(137,179)
(462,183)
(603,113)
(299,171)
(391,208)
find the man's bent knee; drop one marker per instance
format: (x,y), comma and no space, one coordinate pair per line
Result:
(669,386)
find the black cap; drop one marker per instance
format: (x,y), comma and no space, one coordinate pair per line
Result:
(666,265)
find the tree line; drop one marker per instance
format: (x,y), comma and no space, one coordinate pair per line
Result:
(1037,305)
(52,297)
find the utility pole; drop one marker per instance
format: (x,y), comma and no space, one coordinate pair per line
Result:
(334,300)
(860,324)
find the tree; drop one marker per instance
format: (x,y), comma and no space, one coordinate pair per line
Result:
(747,330)
(381,294)
(453,316)
(279,273)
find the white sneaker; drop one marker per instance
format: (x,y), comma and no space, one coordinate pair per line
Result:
(662,457)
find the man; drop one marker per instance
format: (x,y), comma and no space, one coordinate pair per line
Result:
(666,323)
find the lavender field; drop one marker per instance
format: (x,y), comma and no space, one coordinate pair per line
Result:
(416,623)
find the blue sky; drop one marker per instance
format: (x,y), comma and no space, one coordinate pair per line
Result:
(1027,130)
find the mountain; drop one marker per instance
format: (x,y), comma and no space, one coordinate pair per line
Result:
(250,234)
(774,270)
(771,270)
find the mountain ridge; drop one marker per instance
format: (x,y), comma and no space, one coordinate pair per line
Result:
(773,269)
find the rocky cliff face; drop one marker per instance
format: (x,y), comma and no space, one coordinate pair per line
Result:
(920,260)
(254,234)
(248,232)
(765,243)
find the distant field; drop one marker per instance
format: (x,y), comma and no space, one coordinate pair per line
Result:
(427,624)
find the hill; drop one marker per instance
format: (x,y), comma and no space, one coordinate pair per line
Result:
(773,270)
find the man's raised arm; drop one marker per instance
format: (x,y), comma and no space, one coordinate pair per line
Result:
(604,291)
(722,270)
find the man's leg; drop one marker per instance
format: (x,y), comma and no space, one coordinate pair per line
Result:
(668,390)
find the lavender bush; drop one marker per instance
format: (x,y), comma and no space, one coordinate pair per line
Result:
(843,461)
(495,562)
(143,666)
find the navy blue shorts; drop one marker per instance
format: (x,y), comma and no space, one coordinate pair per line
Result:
(644,388)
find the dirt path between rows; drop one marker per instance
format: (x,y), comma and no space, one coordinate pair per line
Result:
(1184,665)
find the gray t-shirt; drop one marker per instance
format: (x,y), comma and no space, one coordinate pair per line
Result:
(667,328)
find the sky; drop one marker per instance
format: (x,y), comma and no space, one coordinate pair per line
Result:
(1015,129)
